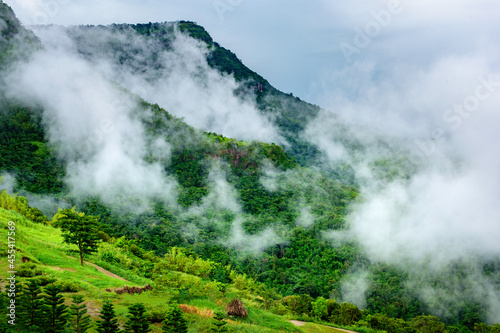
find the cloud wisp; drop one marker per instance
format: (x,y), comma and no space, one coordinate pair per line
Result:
(442,210)
(92,123)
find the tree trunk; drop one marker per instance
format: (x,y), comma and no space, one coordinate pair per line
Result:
(81,254)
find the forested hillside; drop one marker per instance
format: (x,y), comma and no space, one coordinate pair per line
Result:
(201,217)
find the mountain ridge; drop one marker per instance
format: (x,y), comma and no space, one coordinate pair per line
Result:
(269,212)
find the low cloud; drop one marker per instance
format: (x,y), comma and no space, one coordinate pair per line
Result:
(93,125)
(174,74)
(430,208)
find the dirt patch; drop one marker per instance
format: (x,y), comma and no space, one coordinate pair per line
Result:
(297,322)
(92,309)
(302,323)
(63,269)
(108,273)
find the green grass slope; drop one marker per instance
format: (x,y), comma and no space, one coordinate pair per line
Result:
(50,258)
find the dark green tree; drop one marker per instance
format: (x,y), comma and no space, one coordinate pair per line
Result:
(427,324)
(79,229)
(31,306)
(175,322)
(80,320)
(109,323)
(349,313)
(137,321)
(4,302)
(55,311)
(220,323)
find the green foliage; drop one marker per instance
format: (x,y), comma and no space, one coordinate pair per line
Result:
(175,322)
(24,151)
(78,229)
(4,302)
(55,311)
(196,265)
(219,323)
(348,314)
(320,308)
(31,306)
(108,322)
(177,260)
(427,324)
(301,304)
(80,321)
(137,321)
(28,269)
(21,205)
(156,315)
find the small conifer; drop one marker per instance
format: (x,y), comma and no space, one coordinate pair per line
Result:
(80,320)
(109,322)
(175,322)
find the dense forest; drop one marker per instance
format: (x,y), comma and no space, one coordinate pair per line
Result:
(239,222)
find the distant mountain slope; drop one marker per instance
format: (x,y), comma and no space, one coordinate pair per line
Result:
(173,185)
(288,113)
(82,121)
(14,38)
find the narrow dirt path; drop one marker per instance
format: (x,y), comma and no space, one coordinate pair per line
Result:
(302,323)
(108,273)
(297,322)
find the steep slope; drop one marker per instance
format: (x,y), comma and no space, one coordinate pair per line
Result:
(226,199)
(289,113)
(42,256)
(87,138)
(15,40)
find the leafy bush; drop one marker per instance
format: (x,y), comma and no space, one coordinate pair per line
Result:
(29,270)
(67,286)
(156,315)
(44,280)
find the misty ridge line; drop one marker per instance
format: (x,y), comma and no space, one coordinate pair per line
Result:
(386,223)
(105,167)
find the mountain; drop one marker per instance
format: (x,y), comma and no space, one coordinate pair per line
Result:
(129,123)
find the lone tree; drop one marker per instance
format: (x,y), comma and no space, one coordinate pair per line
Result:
(109,322)
(79,229)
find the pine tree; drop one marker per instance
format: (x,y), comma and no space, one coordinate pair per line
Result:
(219,323)
(109,323)
(31,306)
(137,321)
(4,302)
(175,322)
(55,311)
(80,321)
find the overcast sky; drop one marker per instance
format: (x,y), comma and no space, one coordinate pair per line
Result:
(299,45)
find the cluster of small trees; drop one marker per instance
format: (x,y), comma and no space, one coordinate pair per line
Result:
(346,314)
(21,205)
(45,312)
(38,311)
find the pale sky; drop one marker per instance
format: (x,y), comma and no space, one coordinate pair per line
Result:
(299,45)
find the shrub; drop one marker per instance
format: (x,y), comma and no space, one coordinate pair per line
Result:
(28,270)
(44,280)
(68,286)
(156,315)
(320,308)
